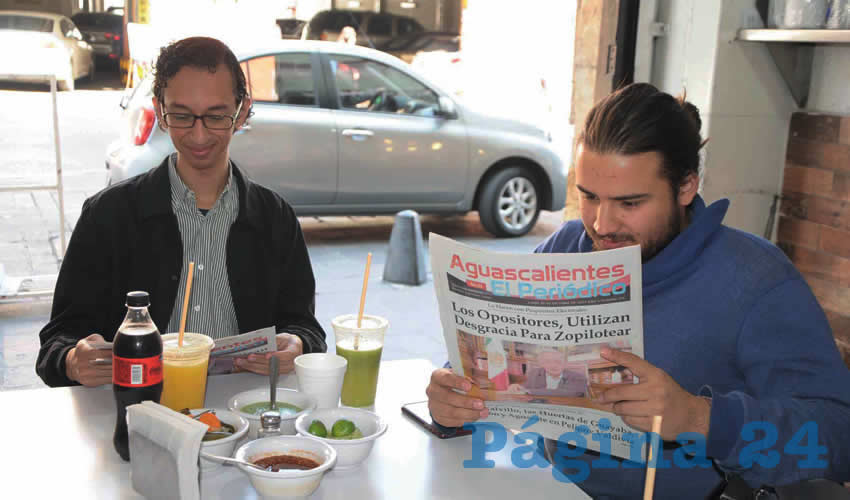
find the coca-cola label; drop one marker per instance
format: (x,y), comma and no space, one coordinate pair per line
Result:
(137,372)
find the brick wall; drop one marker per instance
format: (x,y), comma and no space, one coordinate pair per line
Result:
(814,223)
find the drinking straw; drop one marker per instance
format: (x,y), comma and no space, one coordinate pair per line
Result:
(185,304)
(362,299)
(649,485)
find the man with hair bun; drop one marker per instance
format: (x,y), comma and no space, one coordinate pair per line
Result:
(734,337)
(252,268)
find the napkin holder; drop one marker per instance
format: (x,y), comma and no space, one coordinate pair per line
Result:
(164,447)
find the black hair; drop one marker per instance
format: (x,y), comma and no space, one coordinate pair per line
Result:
(639,118)
(198,52)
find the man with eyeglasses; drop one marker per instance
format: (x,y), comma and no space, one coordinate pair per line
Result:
(252,269)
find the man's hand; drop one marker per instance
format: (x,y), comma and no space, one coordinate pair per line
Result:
(448,407)
(87,365)
(288,348)
(656,394)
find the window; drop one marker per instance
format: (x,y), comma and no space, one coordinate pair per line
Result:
(334,21)
(26,23)
(342,19)
(281,78)
(99,21)
(66,28)
(407,25)
(371,86)
(380,25)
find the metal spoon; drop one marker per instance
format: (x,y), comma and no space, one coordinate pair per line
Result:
(232,460)
(274,372)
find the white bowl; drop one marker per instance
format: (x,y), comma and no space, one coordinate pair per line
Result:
(287,423)
(222,447)
(350,452)
(286,483)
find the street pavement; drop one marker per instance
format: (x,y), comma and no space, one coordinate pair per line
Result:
(89,120)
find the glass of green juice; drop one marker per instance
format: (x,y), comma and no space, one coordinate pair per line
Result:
(362,348)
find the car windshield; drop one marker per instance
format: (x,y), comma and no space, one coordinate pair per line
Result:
(26,23)
(97,21)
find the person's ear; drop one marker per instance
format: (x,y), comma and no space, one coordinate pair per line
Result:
(247,102)
(157,109)
(688,189)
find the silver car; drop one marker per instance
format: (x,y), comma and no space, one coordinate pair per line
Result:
(352,131)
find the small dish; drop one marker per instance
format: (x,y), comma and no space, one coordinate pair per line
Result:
(287,396)
(288,483)
(350,452)
(226,445)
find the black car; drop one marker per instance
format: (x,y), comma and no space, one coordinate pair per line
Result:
(405,47)
(373,29)
(103,31)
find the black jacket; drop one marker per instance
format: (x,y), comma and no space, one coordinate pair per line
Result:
(127,239)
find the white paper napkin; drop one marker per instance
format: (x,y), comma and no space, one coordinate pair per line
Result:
(164,446)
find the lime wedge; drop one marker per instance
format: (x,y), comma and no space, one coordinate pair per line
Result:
(342,428)
(317,428)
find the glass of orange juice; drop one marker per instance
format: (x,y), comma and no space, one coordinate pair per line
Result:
(184,370)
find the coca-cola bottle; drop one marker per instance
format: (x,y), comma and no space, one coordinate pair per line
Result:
(136,365)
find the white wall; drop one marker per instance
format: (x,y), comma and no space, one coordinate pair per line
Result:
(830,88)
(751,111)
(238,23)
(684,59)
(306,9)
(744,103)
(503,68)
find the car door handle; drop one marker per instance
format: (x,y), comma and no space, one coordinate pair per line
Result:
(352,132)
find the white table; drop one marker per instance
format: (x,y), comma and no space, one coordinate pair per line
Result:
(57,443)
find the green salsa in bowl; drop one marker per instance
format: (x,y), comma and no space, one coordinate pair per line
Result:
(251,404)
(285,409)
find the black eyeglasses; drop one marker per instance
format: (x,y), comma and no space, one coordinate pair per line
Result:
(212,122)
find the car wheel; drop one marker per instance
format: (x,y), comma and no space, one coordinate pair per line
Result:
(510,202)
(92,70)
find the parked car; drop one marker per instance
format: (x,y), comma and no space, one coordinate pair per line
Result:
(373,29)
(347,130)
(104,32)
(407,46)
(38,45)
(291,29)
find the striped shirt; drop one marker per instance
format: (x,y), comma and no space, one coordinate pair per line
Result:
(204,236)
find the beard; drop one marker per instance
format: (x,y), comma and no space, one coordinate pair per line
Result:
(670,228)
(674,226)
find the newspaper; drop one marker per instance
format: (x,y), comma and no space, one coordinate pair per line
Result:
(227,349)
(527,329)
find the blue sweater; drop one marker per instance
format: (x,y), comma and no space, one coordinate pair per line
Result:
(727,315)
